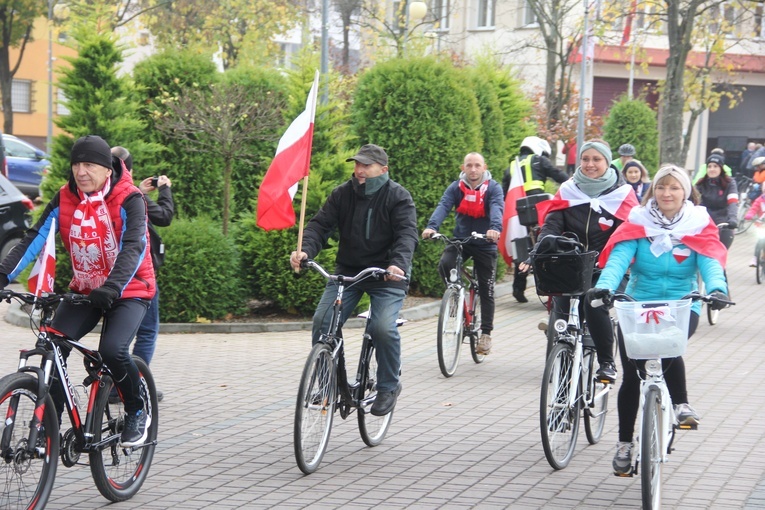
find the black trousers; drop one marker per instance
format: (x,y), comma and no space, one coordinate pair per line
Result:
(485,262)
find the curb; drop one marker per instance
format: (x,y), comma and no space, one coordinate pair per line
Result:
(17,317)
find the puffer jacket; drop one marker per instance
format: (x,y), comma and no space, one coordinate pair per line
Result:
(671,275)
(721,204)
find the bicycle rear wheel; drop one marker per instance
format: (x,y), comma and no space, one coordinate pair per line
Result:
(476,330)
(119,472)
(315,408)
(371,428)
(650,450)
(595,415)
(743,223)
(26,480)
(449,340)
(559,421)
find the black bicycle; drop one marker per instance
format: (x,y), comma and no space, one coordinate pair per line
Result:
(29,438)
(459,319)
(324,385)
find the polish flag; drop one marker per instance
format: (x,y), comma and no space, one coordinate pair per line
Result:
(43,273)
(628,23)
(289,166)
(511,224)
(618,203)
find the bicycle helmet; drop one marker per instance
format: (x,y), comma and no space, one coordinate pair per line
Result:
(758,161)
(536,145)
(627,150)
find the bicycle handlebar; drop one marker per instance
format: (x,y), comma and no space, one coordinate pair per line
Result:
(369,272)
(45,300)
(456,240)
(620,296)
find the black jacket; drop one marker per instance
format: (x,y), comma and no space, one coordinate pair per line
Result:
(160,214)
(716,199)
(593,228)
(375,231)
(541,170)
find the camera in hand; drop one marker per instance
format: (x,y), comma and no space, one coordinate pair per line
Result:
(155,181)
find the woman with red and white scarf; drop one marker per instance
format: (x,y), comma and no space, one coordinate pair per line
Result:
(592,204)
(665,244)
(101,218)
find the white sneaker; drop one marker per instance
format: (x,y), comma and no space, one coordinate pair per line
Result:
(484,345)
(686,415)
(753,263)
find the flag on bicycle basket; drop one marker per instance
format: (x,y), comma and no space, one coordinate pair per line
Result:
(44,271)
(511,224)
(289,166)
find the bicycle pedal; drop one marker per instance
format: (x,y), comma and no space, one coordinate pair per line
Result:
(690,426)
(631,474)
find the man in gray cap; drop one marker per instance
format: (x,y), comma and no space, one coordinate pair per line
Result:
(377,223)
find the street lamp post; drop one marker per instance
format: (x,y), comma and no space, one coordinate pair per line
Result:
(49,140)
(415,11)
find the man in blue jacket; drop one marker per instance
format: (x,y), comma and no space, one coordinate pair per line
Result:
(479,204)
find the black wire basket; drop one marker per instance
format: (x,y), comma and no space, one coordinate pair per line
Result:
(563,274)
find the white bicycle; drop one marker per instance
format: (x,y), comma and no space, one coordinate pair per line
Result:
(652,331)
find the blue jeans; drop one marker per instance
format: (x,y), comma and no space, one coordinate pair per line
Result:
(146,338)
(386,302)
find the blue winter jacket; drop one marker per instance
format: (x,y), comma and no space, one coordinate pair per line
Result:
(660,277)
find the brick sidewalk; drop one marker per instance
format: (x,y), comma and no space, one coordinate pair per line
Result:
(469,441)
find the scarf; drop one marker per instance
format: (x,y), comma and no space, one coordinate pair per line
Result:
(93,244)
(692,227)
(472,203)
(618,202)
(373,184)
(594,187)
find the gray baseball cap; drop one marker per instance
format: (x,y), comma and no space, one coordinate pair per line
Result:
(369,154)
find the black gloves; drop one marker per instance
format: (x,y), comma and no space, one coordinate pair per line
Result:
(733,225)
(595,294)
(103,297)
(3,281)
(716,305)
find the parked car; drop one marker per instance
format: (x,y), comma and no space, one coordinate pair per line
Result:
(14,216)
(26,165)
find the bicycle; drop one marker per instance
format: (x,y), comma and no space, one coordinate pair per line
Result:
(652,331)
(726,237)
(569,383)
(30,441)
(459,317)
(746,188)
(324,385)
(759,250)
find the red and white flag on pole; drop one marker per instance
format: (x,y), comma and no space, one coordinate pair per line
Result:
(43,273)
(289,166)
(628,23)
(511,224)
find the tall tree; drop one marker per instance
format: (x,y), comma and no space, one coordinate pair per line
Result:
(17,19)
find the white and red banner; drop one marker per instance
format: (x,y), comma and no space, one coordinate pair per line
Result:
(43,273)
(618,203)
(289,166)
(628,23)
(511,225)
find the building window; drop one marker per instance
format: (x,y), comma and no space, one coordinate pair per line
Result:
(529,18)
(441,14)
(21,91)
(759,26)
(485,13)
(61,101)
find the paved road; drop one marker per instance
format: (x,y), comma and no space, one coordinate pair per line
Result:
(469,441)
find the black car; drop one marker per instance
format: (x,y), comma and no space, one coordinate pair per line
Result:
(14,216)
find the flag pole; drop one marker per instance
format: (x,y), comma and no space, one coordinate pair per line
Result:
(302,215)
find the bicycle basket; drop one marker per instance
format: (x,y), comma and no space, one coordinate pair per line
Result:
(654,330)
(560,274)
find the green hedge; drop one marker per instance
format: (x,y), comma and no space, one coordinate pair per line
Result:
(633,121)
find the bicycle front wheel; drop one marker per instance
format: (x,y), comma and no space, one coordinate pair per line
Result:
(315,408)
(743,223)
(595,414)
(119,472)
(26,478)
(559,410)
(372,428)
(650,450)
(449,340)
(476,329)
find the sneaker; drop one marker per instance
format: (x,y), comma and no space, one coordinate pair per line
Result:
(385,402)
(623,459)
(753,263)
(543,324)
(484,344)
(136,429)
(607,372)
(160,395)
(519,296)
(686,415)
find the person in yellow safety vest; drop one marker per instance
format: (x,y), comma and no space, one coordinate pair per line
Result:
(702,170)
(536,168)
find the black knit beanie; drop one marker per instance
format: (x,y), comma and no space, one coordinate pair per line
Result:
(91,149)
(716,158)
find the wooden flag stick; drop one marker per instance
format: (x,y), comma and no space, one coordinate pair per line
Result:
(302,217)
